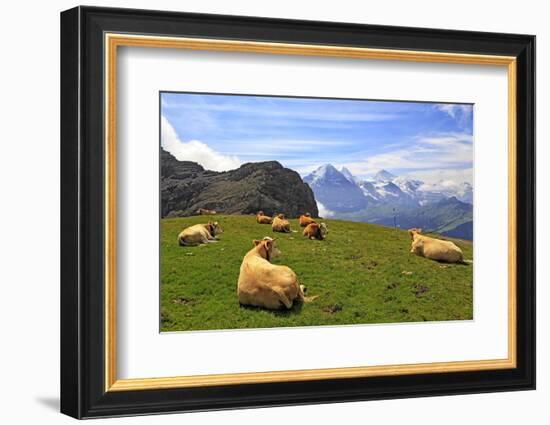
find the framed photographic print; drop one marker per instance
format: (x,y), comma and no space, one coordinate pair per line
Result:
(261,212)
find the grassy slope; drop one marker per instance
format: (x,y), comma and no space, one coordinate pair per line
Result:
(357,274)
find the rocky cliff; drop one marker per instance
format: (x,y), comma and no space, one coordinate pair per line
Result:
(186,186)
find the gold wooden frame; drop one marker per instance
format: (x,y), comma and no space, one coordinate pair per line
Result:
(113,41)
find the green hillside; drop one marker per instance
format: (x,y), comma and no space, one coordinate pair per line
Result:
(362,273)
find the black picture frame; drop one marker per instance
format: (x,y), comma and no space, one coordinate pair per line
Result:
(83,392)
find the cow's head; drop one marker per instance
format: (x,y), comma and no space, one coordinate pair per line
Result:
(323,230)
(267,248)
(260,213)
(215,228)
(307,214)
(414,231)
(281,216)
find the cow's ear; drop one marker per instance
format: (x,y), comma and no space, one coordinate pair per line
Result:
(256,242)
(268,243)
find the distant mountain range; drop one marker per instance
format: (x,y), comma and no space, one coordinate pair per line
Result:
(390,200)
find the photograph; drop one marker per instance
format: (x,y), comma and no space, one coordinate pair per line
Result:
(282,211)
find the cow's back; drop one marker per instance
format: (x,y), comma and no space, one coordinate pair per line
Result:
(305,221)
(280,225)
(263,219)
(261,283)
(436,249)
(193,234)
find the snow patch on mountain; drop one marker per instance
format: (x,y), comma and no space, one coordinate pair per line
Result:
(334,190)
(383,176)
(348,175)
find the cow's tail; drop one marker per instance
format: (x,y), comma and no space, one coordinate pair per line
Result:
(303,297)
(466,261)
(310,299)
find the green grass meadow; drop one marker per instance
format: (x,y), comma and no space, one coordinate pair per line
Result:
(361,273)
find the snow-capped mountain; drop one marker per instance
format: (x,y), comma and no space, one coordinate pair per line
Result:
(387,199)
(341,191)
(408,186)
(433,192)
(369,190)
(337,189)
(462,191)
(387,192)
(324,172)
(334,190)
(383,176)
(347,174)
(426,193)
(385,187)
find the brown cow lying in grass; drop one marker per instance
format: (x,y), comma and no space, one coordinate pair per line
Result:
(204,211)
(267,285)
(261,218)
(435,249)
(200,234)
(280,224)
(316,231)
(305,220)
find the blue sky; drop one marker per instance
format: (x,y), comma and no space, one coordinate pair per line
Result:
(406,138)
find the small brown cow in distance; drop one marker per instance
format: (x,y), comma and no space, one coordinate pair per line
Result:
(305,220)
(204,211)
(200,234)
(280,224)
(316,231)
(261,218)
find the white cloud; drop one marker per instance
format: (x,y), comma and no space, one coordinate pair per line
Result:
(446,139)
(323,211)
(267,149)
(449,150)
(462,114)
(195,150)
(442,179)
(454,110)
